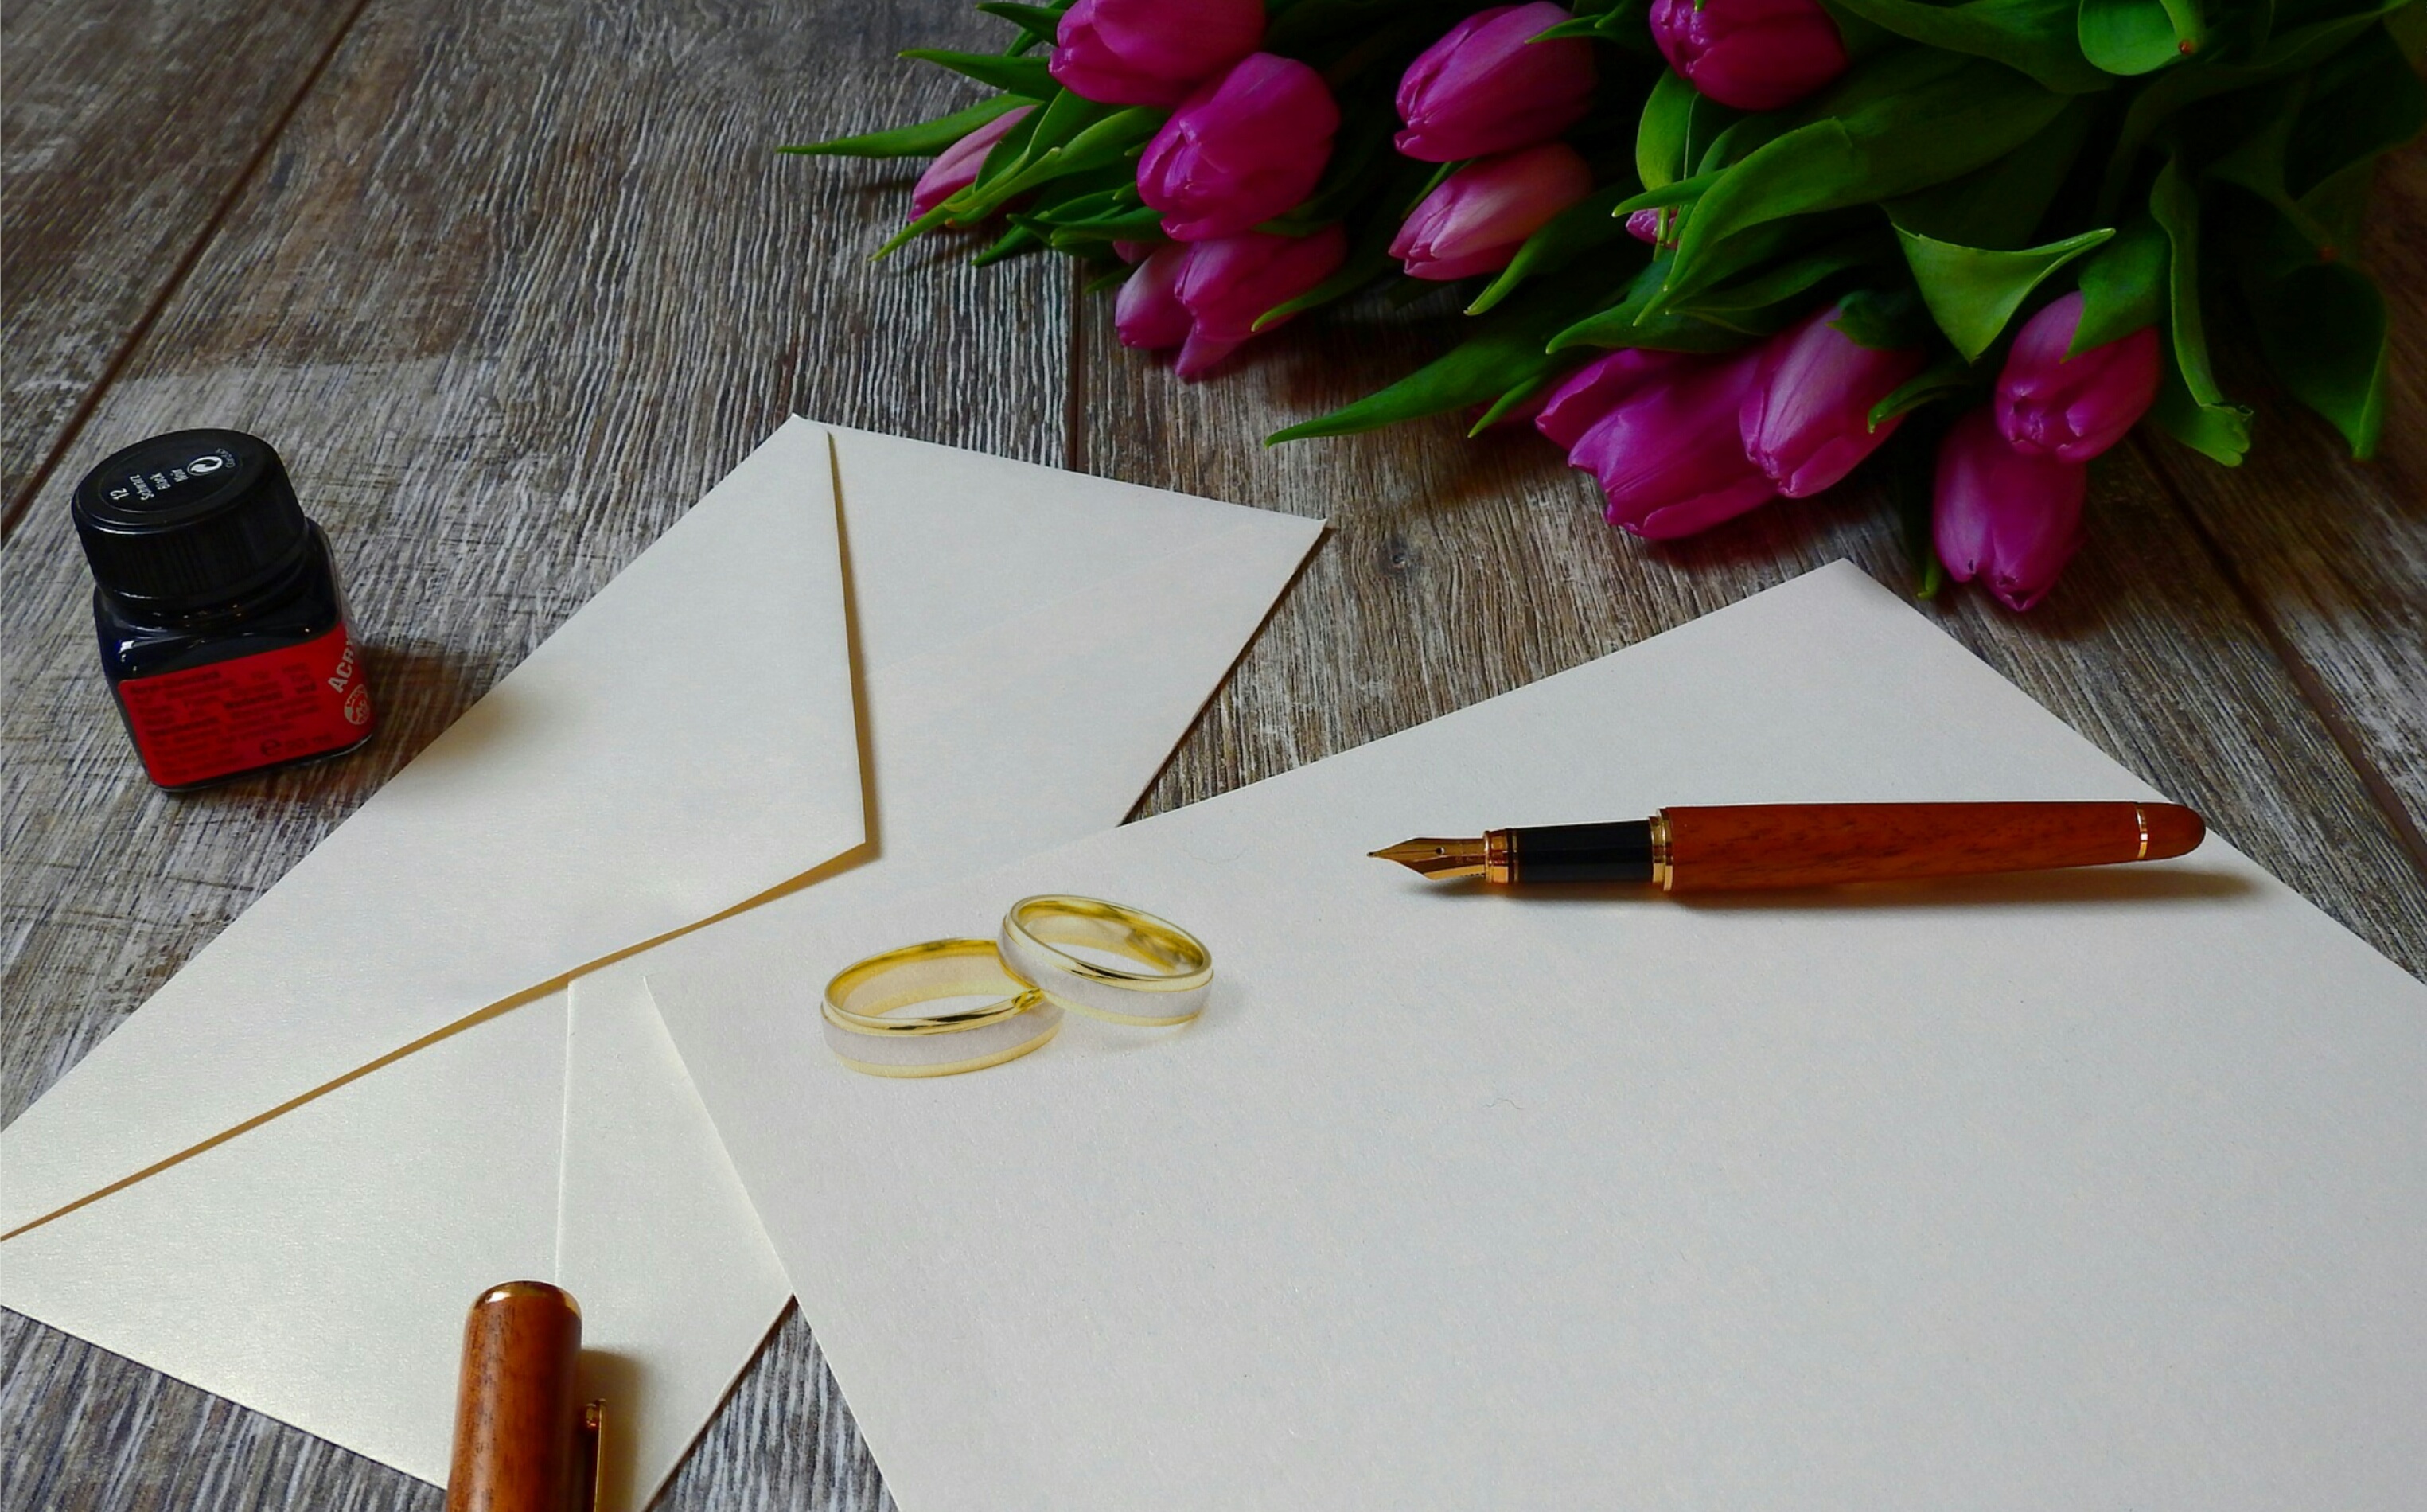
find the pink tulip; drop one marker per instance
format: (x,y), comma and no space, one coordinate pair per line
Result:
(956,168)
(1485,89)
(1241,151)
(1480,215)
(1152,52)
(1227,283)
(1659,431)
(1149,313)
(2075,407)
(2001,514)
(1754,55)
(1644,225)
(1806,422)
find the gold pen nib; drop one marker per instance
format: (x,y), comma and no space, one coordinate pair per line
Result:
(1438,858)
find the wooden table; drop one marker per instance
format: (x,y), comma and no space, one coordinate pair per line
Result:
(513,282)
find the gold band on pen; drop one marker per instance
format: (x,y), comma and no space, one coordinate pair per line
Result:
(1178,972)
(867,1034)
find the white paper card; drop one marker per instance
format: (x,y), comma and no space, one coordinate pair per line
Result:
(317,1265)
(2093,1189)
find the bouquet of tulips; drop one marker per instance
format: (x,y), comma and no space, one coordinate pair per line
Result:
(1724,251)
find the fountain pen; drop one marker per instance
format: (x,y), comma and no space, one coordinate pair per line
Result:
(1812,845)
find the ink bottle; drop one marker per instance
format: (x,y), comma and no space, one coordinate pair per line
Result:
(223,632)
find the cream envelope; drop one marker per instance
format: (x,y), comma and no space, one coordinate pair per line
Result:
(2094,1189)
(1029,646)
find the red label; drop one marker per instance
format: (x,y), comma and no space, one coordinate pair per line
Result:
(250,711)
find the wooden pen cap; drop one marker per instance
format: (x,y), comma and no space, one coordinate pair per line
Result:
(524,1439)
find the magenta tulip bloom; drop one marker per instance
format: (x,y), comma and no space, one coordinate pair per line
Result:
(1149,313)
(956,168)
(1241,151)
(1754,55)
(1485,89)
(1227,285)
(1659,431)
(2075,407)
(1152,52)
(1480,215)
(1644,225)
(1998,514)
(1807,421)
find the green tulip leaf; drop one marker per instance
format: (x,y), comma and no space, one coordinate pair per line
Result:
(1632,322)
(2001,205)
(2361,102)
(2323,330)
(1949,374)
(1361,268)
(1905,123)
(2036,36)
(1623,24)
(1758,305)
(1677,125)
(1019,238)
(1040,22)
(1517,395)
(1505,352)
(2190,405)
(925,140)
(2123,286)
(1582,227)
(1018,76)
(2408,29)
(1890,319)
(1909,465)
(2281,56)
(1973,291)
(2132,37)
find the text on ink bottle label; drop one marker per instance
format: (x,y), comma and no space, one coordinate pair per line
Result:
(232,716)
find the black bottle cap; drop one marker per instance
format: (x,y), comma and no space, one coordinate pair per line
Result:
(191,518)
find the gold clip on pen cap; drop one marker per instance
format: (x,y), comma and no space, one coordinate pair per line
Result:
(524,1439)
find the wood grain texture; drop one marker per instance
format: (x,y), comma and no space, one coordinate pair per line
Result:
(1457,570)
(519,279)
(1714,847)
(517,284)
(125,128)
(2331,552)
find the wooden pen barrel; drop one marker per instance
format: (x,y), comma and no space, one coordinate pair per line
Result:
(516,1412)
(1811,845)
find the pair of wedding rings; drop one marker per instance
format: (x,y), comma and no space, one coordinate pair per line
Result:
(1031,975)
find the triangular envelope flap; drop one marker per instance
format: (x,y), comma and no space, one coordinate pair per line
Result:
(685,742)
(319,1268)
(914,510)
(1037,729)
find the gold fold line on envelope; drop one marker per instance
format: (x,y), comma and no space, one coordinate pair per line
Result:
(858,855)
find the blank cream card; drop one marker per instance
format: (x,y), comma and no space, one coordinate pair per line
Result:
(2093,1189)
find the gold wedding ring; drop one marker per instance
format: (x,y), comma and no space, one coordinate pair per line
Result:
(1172,988)
(865,1031)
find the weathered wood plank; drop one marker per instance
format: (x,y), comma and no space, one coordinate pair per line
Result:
(126,126)
(1461,569)
(517,284)
(2335,551)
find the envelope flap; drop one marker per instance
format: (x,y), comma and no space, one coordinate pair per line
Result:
(683,743)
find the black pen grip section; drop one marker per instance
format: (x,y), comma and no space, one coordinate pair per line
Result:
(1583,853)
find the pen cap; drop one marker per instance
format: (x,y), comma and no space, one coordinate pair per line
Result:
(518,1420)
